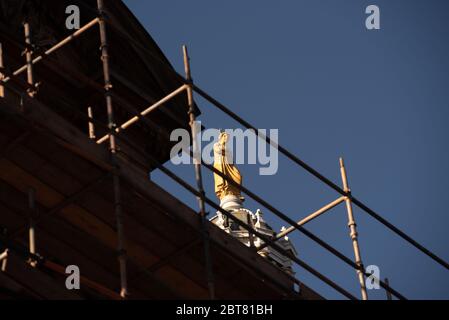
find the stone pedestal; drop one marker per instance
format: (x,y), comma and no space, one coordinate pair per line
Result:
(234,205)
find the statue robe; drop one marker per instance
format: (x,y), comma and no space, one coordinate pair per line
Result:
(223,163)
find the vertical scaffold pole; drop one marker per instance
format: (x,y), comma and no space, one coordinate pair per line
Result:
(2,66)
(31,229)
(90,115)
(29,58)
(198,176)
(113,149)
(353,232)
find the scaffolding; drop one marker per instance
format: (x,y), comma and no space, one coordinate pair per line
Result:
(116,131)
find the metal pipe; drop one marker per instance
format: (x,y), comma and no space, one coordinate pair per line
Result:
(144,113)
(4,259)
(31,228)
(312,216)
(113,148)
(2,88)
(198,175)
(4,264)
(32,237)
(305,220)
(91,123)
(54,48)
(29,58)
(4,255)
(389,297)
(353,232)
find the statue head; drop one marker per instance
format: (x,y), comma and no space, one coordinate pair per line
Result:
(223,137)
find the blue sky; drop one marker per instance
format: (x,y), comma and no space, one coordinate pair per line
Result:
(378,98)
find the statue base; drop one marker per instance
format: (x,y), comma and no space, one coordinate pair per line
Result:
(234,205)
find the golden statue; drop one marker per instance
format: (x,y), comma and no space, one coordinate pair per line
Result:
(223,163)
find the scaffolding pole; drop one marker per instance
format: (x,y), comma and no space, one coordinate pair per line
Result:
(29,58)
(4,259)
(31,226)
(113,149)
(91,123)
(198,176)
(353,232)
(2,66)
